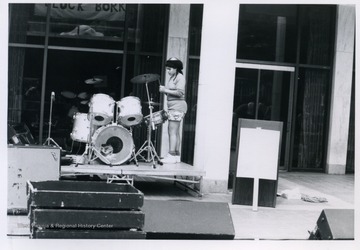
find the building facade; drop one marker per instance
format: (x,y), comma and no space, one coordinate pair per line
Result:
(288,63)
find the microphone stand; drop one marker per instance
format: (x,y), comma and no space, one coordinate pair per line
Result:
(49,139)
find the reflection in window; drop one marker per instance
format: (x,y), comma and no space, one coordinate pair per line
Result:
(24,87)
(310,120)
(23,23)
(267,33)
(317,31)
(112,42)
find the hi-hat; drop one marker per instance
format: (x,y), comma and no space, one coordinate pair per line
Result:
(145,78)
(152,103)
(93,80)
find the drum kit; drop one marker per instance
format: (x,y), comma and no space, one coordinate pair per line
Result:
(107,128)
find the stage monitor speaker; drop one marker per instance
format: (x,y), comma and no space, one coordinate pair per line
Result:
(334,224)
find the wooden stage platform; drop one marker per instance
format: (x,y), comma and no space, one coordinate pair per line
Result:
(183,174)
(178,169)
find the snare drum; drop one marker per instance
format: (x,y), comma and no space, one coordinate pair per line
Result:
(129,111)
(101,109)
(159,117)
(81,128)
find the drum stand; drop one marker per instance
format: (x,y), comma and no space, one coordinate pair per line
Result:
(148,146)
(91,153)
(49,139)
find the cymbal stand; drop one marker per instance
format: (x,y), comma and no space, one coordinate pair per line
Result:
(148,146)
(90,150)
(49,139)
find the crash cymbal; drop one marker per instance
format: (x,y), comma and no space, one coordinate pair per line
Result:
(93,80)
(145,78)
(152,103)
(68,94)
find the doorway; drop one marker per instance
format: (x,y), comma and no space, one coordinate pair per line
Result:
(263,92)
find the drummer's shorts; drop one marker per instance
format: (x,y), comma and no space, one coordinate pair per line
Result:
(174,115)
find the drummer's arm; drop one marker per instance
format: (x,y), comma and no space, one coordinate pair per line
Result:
(179,91)
(173,92)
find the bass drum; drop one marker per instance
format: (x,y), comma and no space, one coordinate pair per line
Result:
(113,143)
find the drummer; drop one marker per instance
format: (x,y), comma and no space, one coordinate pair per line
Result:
(177,106)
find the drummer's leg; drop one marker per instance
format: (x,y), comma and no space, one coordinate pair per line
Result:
(173,131)
(174,136)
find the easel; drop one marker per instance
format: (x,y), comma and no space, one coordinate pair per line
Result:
(258,151)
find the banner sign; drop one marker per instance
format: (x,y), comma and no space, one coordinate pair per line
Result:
(106,12)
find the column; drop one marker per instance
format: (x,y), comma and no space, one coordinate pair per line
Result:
(341,90)
(179,20)
(216,93)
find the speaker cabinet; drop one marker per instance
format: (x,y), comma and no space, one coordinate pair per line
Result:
(334,224)
(29,163)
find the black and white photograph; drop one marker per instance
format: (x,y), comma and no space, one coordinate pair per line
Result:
(179,124)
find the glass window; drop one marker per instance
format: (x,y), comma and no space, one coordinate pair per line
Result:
(85,25)
(152,40)
(317,34)
(189,124)
(267,33)
(146,27)
(68,74)
(145,65)
(350,157)
(26,27)
(86,42)
(245,92)
(311,119)
(195,27)
(262,95)
(196,13)
(24,87)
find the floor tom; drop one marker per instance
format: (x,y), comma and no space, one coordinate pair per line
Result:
(81,128)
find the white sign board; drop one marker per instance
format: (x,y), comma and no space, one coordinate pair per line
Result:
(258,153)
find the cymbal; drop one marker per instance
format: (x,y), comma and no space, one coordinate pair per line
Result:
(152,103)
(145,78)
(83,95)
(93,80)
(84,102)
(68,94)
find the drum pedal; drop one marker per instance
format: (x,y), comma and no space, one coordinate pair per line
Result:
(106,150)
